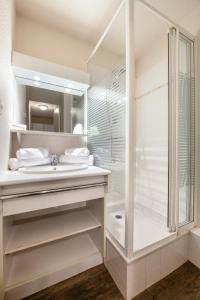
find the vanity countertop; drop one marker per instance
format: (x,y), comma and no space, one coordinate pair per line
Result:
(15,177)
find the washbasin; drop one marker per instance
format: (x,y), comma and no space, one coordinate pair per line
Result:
(53,169)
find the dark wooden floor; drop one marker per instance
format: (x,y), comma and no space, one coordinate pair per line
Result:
(96,284)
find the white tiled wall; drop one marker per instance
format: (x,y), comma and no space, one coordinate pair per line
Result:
(53,142)
(117,267)
(147,270)
(173,255)
(136,279)
(194,246)
(153,268)
(156,265)
(152,78)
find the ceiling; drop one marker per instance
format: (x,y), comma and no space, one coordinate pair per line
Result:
(185,13)
(87,19)
(148,28)
(84,19)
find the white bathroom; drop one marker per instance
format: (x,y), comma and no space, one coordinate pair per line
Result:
(99,138)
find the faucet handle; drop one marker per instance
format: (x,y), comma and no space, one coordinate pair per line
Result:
(54,159)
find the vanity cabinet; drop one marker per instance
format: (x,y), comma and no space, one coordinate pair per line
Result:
(49,232)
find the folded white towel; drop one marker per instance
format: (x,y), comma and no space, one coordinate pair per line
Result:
(15,164)
(71,159)
(32,153)
(77,152)
(78,129)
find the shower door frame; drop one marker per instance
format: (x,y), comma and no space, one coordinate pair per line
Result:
(194,194)
(173,199)
(128,252)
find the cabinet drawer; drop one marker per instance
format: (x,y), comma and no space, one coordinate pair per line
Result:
(22,204)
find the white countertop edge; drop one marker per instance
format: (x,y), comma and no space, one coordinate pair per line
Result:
(15,177)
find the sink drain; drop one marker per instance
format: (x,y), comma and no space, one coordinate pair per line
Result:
(118,216)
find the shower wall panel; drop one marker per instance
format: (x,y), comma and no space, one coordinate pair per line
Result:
(152,141)
(186,130)
(107,110)
(107,141)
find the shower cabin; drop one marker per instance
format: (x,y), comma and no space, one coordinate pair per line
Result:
(141,126)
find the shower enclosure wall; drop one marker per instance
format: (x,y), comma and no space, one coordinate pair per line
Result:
(141,126)
(107,109)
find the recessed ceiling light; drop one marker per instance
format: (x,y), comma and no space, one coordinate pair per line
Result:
(37,78)
(36,83)
(43,107)
(56,110)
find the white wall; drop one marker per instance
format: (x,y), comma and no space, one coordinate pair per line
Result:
(47,43)
(157,51)
(7,19)
(18,106)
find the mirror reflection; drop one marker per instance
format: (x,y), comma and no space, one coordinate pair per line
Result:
(42,109)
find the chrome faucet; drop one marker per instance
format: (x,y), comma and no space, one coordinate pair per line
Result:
(54,159)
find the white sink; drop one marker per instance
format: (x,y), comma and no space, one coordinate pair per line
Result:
(53,169)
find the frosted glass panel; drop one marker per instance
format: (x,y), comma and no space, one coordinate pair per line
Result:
(107,119)
(151,182)
(186,126)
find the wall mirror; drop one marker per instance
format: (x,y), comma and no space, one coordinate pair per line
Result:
(41,106)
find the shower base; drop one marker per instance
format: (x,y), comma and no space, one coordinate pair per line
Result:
(133,276)
(148,230)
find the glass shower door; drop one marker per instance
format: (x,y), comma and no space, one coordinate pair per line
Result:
(151,142)
(186,130)
(107,134)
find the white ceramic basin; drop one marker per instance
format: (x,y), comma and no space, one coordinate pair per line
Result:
(53,169)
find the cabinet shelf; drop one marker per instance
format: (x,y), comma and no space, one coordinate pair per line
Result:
(30,269)
(35,232)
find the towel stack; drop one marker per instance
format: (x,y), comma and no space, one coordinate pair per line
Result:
(77,156)
(28,157)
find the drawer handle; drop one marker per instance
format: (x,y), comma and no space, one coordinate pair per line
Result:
(71,188)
